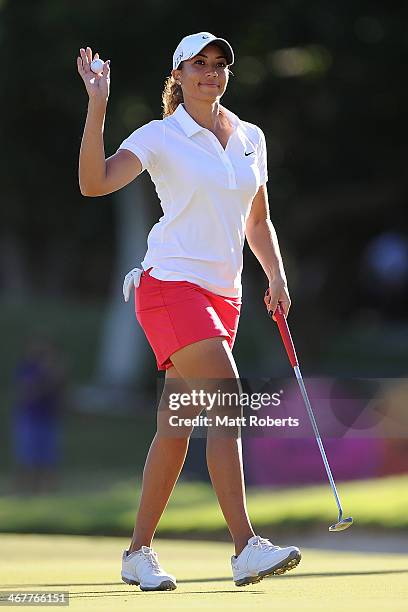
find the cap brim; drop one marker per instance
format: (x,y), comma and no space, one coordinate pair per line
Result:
(226,47)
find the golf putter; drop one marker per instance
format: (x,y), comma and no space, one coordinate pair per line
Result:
(342,523)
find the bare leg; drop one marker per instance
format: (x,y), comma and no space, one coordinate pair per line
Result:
(212,358)
(159,478)
(224,460)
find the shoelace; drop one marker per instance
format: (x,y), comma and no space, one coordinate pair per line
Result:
(152,559)
(263,542)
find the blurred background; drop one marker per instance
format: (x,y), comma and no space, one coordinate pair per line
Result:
(78,380)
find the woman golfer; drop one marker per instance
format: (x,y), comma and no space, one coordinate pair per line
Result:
(210,172)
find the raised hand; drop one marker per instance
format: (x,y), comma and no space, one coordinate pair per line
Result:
(97,85)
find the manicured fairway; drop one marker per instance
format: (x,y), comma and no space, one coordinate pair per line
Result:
(89,568)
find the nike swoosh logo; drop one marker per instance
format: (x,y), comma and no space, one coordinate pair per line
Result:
(250,153)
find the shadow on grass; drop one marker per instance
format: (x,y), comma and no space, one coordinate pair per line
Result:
(199,580)
(136,591)
(87,595)
(330,574)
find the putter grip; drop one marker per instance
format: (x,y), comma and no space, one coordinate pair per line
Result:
(285,334)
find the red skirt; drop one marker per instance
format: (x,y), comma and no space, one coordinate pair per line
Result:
(174,314)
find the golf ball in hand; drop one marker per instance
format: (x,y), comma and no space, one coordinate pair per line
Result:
(97,66)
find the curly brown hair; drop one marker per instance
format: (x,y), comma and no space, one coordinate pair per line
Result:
(172,96)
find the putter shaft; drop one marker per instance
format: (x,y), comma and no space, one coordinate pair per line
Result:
(291,352)
(318,438)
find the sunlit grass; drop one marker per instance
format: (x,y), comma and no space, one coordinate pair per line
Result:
(193,508)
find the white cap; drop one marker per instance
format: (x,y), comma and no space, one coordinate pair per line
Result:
(192,44)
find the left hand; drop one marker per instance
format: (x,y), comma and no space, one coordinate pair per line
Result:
(277,292)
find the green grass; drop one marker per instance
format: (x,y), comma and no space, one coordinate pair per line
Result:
(89,569)
(108,507)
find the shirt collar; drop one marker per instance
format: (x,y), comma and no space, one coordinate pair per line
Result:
(191,127)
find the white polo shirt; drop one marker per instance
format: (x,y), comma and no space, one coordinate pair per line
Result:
(205,193)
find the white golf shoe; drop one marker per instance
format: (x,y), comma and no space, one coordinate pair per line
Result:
(142,568)
(261,558)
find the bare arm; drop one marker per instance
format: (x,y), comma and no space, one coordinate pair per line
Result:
(98,176)
(263,242)
(262,238)
(92,166)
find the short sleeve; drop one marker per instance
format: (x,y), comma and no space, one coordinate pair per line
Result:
(146,143)
(262,157)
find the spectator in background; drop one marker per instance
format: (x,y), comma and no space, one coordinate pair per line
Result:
(39,379)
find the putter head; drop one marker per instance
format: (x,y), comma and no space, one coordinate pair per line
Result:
(341,525)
